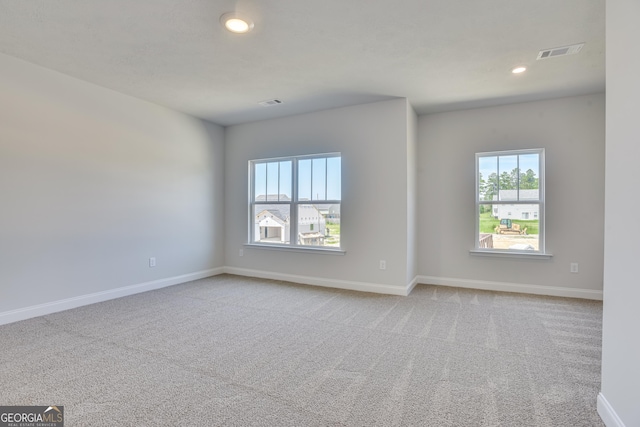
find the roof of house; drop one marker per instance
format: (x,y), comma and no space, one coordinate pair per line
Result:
(273,198)
(529,194)
(282,211)
(278,211)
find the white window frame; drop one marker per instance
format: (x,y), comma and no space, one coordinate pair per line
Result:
(541,252)
(293,206)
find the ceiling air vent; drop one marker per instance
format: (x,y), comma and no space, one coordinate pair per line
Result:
(270,102)
(560,51)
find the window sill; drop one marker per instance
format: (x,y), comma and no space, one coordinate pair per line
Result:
(301,249)
(510,254)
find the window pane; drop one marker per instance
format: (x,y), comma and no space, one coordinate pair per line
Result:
(285,181)
(332,218)
(272,181)
(508,177)
(319,183)
(504,226)
(317,221)
(319,225)
(529,176)
(334,178)
(260,181)
(304,179)
(271,223)
(488,177)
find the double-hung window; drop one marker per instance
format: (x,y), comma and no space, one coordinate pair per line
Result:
(510,201)
(295,201)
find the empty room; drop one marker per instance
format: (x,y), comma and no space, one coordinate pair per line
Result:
(296,213)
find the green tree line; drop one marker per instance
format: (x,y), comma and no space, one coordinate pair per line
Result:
(507,181)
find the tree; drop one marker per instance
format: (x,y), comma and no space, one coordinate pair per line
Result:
(482,184)
(514,175)
(528,180)
(491,187)
(506,182)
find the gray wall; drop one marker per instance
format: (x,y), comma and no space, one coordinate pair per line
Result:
(572,132)
(93,183)
(412,194)
(620,397)
(373,141)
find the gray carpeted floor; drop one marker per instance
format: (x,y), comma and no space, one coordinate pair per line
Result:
(235,351)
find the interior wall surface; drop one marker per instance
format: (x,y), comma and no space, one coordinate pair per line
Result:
(571,130)
(94,183)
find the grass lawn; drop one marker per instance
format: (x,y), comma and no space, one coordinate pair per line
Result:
(489,223)
(334,234)
(334,229)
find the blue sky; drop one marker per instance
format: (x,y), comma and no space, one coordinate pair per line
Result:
(489,165)
(318,178)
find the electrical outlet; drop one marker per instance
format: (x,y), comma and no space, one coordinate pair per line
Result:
(152,262)
(383,265)
(241,253)
(574,267)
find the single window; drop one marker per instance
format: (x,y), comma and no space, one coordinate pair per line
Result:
(510,201)
(295,201)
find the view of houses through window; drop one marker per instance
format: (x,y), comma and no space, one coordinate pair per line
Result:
(296,201)
(510,200)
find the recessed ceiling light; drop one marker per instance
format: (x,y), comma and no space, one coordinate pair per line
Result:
(236,23)
(519,70)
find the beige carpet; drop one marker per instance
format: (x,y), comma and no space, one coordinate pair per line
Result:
(232,351)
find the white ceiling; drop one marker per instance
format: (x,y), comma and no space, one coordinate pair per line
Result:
(440,54)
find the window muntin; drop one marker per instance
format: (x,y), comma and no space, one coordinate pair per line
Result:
(312,216)
(510,201)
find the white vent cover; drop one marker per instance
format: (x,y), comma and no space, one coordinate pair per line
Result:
(560,51)
(270,102)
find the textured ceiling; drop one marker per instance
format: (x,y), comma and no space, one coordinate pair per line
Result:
(440,54)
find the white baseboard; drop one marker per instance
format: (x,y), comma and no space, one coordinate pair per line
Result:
(69,303)
(328,283)
(512,287)
(606,412)
(412,284)
(73,302)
